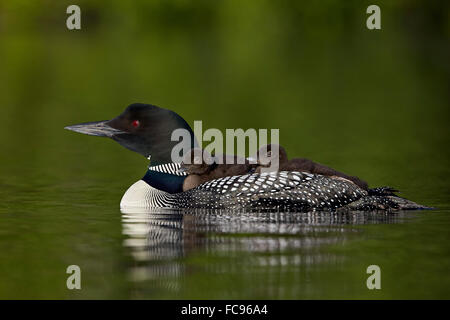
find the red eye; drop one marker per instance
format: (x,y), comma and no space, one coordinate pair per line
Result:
(135,123)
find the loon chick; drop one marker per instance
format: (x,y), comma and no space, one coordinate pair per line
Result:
(266,153)
(149,130)
(197,169)
(201,167)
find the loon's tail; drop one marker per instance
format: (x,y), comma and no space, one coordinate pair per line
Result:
(385,198)
(382,191)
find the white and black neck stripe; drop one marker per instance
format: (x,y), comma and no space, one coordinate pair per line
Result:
(170,168)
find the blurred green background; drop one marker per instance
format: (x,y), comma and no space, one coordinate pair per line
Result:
(369,103)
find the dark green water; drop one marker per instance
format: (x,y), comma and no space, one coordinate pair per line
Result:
(372,104)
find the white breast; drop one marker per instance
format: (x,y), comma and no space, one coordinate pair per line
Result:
(141,195)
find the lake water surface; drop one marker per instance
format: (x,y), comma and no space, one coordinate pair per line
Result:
(44,228)
(370,103)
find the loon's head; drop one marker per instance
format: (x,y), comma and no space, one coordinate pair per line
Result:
(143,128)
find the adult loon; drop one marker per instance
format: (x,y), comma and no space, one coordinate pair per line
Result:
(147,129)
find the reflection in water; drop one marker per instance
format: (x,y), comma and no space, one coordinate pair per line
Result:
(235,242)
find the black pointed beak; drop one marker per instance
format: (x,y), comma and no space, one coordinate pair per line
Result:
(104,129)
(97,128)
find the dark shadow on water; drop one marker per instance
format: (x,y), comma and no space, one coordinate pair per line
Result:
(163,244)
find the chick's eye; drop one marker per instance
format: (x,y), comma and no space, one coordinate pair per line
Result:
(135,123)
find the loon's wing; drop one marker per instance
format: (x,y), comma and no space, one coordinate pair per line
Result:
(283,190)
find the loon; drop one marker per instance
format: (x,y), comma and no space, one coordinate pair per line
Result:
(147,130)
(264,158)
